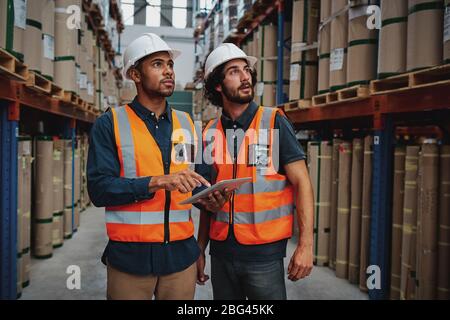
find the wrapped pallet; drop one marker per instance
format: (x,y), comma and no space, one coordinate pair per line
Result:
(407,282)
(343,211)
(27,160)
(338,46)
(397,220)
(393,35)
(43,195)
(32,40)
(447,32)
(58,193)
(334,201)
(362,48)
(66,47)
(425,29)
(366,212)
(443,288)
(324,47)
(427,224)
(48,38)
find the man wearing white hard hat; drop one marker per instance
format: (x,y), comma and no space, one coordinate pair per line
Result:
(140,174)
(248,235)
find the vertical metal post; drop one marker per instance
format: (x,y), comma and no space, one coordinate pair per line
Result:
(8,199)
(381,217)
(280,47)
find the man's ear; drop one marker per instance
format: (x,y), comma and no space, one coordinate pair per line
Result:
(219,88)
(135,75)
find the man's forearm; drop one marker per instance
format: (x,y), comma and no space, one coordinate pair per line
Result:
(203,231)
(305,213)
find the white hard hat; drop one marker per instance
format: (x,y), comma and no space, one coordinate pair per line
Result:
(224,53)
(143,46)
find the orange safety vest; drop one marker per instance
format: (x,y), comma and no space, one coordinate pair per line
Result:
(261,211)
(140,156)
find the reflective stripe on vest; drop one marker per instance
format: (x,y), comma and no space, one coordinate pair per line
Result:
(126,141)
(146,217)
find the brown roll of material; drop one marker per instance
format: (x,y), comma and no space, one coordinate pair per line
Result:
(407,282)
(76,214)
(77,175)
(20,237)
(393,35)
(58,176)
(365,213)
(334,201)
(67,173)
(362,49)
(324,59)
(68,223)
(267,40)
(325,9)
(323,204)
(43,195)
(355,211)
(303,76)
(427,224)
(305,21)
(48,38)
(447,32)
(32,40)
(443,287)
(26,206)
(397,220)
(338,47)
(425,29)
(268,70)
(343,211)
(313,169)
(57,235)
(65,48)
(12,26)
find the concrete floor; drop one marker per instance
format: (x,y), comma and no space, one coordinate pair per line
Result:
(49,277)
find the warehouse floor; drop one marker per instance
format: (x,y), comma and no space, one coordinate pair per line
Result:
(49,277)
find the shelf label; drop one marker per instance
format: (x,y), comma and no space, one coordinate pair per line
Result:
(83,81)
(337,59)
(447,25)
(259,89)
(295,72)
(20,13)
(49,47)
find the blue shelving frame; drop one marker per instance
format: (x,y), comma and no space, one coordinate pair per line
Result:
(8,202)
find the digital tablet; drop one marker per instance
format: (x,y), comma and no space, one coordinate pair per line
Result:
(231,184)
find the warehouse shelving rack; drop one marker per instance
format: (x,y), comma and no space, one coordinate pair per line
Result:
(15,95)
(381,114)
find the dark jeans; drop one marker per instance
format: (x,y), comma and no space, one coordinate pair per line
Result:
(238,280)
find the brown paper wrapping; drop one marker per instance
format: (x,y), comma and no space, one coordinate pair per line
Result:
(334,201)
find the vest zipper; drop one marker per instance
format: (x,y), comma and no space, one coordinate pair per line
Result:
(234,177)
(166,218)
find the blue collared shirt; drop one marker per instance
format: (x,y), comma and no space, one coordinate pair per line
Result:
(107,188)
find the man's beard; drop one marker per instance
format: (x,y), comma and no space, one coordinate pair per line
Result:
(158,92)
(236,97)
